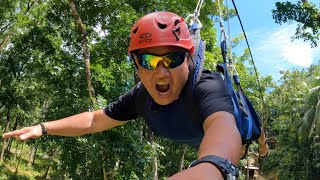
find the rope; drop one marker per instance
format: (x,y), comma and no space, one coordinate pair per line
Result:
(223,31)
(194,17)
(197,10)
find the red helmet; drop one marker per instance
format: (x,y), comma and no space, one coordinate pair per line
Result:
(160,29)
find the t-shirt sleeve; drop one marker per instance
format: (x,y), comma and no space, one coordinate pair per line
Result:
(212,95)
(124,108)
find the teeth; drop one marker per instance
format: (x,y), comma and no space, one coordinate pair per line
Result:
(162,83)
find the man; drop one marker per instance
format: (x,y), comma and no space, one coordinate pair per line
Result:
(161,48)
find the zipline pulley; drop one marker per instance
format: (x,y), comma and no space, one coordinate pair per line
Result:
(195,23)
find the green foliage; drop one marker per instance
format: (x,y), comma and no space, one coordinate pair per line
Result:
(43,79)
(292,124)
(305,14)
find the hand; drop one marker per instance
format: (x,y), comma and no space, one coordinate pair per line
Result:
(25,133)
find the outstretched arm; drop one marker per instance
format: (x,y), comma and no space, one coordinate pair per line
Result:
(80,124)
(222,139)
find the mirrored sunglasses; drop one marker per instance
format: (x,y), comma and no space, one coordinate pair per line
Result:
(171,60)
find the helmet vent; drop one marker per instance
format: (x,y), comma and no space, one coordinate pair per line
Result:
(176,22)
(162,26)
(135,30)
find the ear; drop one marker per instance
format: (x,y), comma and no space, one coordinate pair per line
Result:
(131,58)
(190,62)
(136,72)
(135,64)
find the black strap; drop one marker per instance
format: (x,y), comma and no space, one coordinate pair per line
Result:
(227,169)
(44,129)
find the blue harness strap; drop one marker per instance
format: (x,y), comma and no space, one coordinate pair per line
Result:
(247,119)
(198,59)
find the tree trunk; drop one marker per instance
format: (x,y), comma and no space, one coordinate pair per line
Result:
(16,151)
(111,175)
(19,161)
(31,155)
(51,157)
(35,154)
(13,128)
(182,153)
(3,140)
(247,174)
(5,40)
(104,170)
(154,158)
(8,149)
(85,52)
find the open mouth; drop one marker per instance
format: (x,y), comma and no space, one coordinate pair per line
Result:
(163,88)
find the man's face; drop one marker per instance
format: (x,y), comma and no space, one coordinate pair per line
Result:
(163,84)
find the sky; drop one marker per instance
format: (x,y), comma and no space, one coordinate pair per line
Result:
(271,45)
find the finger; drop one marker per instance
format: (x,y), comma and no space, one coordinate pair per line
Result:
(15,133)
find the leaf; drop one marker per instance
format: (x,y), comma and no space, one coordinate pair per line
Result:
(316,119)
(307,122)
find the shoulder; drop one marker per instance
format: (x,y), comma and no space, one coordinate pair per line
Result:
(210,81)
(125,107)
(134,92)
(211,94)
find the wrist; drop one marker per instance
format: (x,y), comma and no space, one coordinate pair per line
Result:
(43,129)
(226,168)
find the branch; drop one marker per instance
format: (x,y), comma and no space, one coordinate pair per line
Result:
(85,51)
(5,40)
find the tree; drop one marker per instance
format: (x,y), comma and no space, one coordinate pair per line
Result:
(295,156)
(44,78)
(85,51)
(310,123)
(305,14)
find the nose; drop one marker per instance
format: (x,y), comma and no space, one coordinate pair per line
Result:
(161,68)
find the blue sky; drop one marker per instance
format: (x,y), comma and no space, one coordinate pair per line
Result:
(270,43)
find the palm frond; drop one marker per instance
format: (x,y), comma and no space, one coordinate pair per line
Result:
(314,96)
(305,126)
(316,119)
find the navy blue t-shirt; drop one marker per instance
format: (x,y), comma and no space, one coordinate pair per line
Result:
(181,120)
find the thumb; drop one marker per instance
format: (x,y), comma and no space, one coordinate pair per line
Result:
(25,136)
(35,132)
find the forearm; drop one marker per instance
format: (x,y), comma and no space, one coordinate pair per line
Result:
(76,125)
(84,123)
(221,139)
(71,126)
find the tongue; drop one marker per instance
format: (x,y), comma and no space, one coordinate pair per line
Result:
(163,88)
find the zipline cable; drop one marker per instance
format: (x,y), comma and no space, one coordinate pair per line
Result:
(229,34)
(253,63)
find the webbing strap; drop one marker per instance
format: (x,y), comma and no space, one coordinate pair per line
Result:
(198,59)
